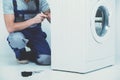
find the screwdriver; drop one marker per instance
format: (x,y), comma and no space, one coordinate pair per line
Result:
(29,73)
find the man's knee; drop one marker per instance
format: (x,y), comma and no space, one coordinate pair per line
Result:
(17,40)
(44,59)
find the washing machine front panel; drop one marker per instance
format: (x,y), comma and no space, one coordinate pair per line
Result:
(102,44)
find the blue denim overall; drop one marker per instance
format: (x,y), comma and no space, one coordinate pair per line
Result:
(36,39)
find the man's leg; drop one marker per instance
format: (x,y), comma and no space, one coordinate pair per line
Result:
(41,53)
(44,59)
(40,47)
(17,41)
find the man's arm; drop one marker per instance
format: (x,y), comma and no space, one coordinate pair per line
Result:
(16,26)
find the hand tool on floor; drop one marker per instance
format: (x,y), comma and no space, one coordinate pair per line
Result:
(29,73)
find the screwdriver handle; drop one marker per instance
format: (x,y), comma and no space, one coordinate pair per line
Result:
(26,73)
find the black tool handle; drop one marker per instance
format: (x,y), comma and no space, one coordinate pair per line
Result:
(26,73)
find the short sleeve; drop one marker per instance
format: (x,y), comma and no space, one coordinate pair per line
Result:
(44,6)
(8,7)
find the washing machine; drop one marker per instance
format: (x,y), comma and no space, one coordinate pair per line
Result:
(82,35)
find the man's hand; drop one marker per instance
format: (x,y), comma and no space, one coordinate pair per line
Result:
(48,14)
(39,18)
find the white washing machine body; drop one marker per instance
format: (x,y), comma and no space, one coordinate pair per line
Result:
(82,35)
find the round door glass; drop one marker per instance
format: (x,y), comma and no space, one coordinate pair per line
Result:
(101,21)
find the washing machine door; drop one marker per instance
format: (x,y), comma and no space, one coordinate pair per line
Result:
(100,23)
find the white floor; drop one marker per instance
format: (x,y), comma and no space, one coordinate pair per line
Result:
(10,70)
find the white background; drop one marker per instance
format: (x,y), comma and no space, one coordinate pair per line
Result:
(9,72)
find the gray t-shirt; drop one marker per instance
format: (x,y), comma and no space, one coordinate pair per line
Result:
(22,5)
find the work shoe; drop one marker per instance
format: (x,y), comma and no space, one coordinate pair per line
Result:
(23,58)
(22,61)
(31,56)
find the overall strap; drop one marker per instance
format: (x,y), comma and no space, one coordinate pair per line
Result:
(37,5)
(15,7)
(17,12)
